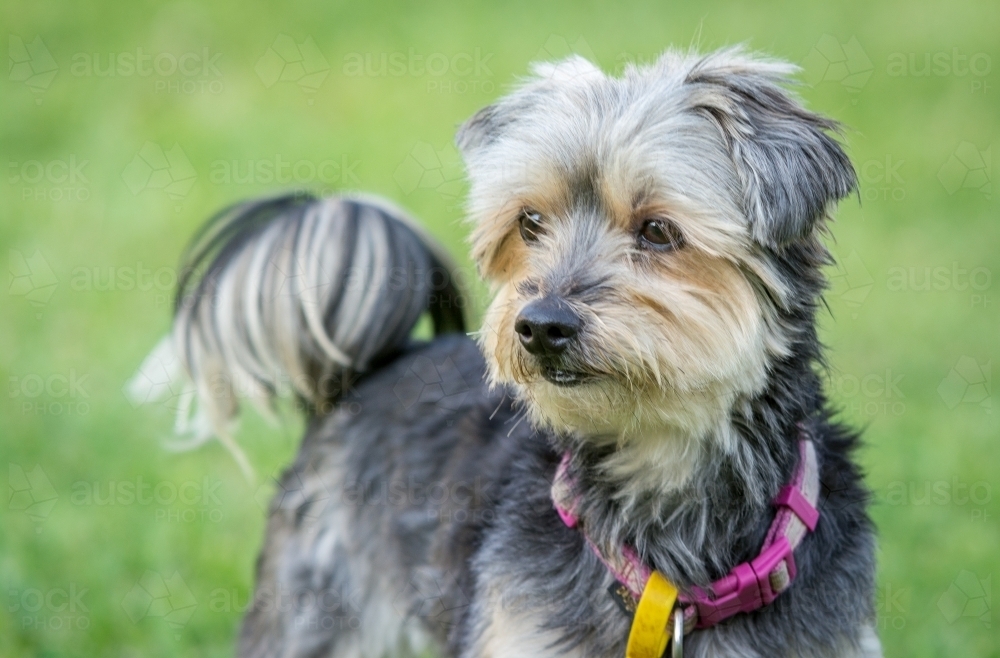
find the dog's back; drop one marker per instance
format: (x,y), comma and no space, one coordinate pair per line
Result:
(367,542)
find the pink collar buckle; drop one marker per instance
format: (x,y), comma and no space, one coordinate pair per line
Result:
(748,586)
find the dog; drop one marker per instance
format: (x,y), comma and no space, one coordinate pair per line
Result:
(635,452)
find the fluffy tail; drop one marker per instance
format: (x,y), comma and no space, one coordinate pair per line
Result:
(293,294)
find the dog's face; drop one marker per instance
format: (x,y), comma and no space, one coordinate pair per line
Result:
(632,229)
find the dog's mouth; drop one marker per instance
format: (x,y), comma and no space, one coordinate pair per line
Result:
(561,377)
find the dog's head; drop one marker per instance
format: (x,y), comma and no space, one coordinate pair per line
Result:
(632,228)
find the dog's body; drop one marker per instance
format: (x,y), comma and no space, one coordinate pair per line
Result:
(653,245)
(433,521)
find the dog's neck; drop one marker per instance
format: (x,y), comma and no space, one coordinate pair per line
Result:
(693,504)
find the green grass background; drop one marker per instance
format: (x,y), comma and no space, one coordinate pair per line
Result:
(932,450)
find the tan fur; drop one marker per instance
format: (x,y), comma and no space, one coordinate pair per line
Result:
(681,336)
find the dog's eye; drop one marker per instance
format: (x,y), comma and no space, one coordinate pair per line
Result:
(660,234)
(530,225)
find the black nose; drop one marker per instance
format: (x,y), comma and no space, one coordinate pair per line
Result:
(547,326)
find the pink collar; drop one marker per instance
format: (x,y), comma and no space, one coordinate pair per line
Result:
(749,585)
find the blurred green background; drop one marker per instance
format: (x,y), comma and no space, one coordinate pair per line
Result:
(125,124)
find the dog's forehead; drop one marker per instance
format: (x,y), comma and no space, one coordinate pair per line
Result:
(614,142)
(601,122)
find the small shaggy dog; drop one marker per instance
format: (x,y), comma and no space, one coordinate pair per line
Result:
(637,455)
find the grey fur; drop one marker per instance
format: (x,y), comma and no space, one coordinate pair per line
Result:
(486,568)
(291,294)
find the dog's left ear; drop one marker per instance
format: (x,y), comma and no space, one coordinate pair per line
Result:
(489,124)
(789,166)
